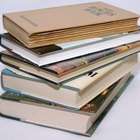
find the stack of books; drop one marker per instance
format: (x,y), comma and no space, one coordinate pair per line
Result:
(66,66)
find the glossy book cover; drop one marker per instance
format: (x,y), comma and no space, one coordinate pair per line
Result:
(67,66)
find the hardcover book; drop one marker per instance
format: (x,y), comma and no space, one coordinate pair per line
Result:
(83,121)
(41,27)
(73,94)
(58,52)
(61,72)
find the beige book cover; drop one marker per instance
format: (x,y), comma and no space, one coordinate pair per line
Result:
(68,16)
(41,27)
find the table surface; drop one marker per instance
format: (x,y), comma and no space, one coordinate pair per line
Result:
(123,120)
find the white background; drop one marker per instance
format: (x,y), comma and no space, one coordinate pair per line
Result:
(123,120)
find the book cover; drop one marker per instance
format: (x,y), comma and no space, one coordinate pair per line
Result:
(61,72)
(73,15)
(93,109)
(75,93)
(40,51)
(92,106)
(81,21)
(57,52)
(61,68)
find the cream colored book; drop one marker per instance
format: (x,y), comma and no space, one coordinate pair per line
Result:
(83,121)
(73,94)
(41,27)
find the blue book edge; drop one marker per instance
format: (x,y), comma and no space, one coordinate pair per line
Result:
(11,73)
